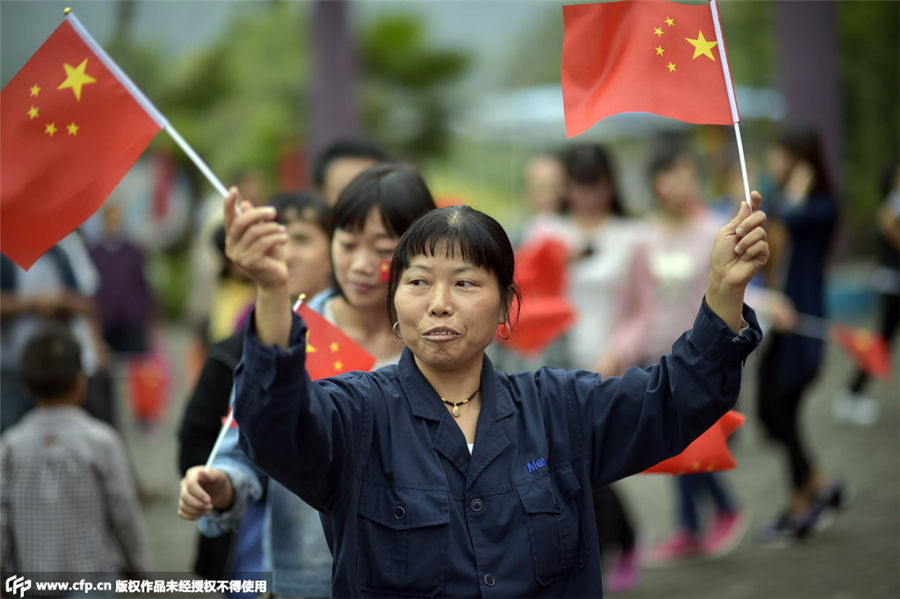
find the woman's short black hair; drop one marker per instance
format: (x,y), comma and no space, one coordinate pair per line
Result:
(51,362)
(398,192)
(588,164)
(304,205)
(462,232)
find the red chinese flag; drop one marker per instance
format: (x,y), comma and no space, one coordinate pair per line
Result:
(73,124)
(870,351)
(545,314)
(708,452)
(642,56)
(330,352)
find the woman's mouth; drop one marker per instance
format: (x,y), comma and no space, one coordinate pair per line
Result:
(440,334)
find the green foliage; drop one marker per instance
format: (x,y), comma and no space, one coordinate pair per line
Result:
(749,30)
(870,73)
(404,99)
(240,101)
(535,59)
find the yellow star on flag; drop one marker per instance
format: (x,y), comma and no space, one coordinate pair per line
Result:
(338,366)
(76,78)
(657,31)
(50,129)
(671,66)
(72,128)
(660,50)
(35,89)
(670,21)
(702,46)
(309,348)
(32,112)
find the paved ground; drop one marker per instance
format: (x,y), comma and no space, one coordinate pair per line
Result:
(857,558)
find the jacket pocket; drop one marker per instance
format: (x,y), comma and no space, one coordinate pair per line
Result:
(403,536)
(554,528)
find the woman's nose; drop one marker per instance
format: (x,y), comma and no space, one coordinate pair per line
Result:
(441,301)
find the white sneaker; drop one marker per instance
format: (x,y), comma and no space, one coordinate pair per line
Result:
(856,409)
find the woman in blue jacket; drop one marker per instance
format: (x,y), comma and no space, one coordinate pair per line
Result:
(440,476)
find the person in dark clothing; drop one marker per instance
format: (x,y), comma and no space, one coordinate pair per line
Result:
(305,217)
(851,405)
(806,208)
(441,476)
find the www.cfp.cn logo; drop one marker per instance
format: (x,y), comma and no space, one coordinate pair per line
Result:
(17,585)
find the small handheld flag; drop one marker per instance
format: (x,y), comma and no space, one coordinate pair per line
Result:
(707,453)
(73,124)
(329,351)
(662,57)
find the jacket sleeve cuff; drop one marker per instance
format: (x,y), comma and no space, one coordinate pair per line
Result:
(711,337)
(267,364)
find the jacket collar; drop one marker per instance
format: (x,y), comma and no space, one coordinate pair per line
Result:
(490,438)
(426,403)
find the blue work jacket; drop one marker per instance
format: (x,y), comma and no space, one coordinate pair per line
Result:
(408,512)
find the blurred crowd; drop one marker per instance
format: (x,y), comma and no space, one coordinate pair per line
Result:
(87,315)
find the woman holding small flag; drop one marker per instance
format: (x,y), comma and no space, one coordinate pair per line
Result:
(366,223)
(440,476)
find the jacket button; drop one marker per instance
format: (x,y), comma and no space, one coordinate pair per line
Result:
(477,505)
(489,580)
(399,512)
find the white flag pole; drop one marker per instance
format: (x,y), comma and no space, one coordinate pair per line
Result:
(222,431)
(726,73)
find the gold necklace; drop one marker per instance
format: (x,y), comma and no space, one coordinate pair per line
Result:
(455,406)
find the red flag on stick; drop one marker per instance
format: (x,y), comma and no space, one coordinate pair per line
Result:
(545,314)
(73,124)
(707,453)
(869,350)
(329,351)
(642,56)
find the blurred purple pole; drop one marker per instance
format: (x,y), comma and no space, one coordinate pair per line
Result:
(334,115)
(808,58)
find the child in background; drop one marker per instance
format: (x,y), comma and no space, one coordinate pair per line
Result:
(682,230)
(67,503)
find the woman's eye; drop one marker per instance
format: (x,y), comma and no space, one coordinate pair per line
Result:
(346,246)
(465,284)
(415,282)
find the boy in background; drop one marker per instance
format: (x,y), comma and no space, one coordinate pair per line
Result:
(67,502)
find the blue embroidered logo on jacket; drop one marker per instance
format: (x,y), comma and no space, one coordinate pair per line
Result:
(534,465)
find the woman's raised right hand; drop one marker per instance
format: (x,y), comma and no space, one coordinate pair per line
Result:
(253,242)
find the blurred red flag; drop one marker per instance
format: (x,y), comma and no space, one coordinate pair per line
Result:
(870,351)
(642,56)
(329,351)
(545,313)
(73,124)
(707,453)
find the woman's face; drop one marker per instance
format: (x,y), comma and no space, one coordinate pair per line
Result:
(780,163)
(306,253)
(448,310)
(589,198)
(358,256)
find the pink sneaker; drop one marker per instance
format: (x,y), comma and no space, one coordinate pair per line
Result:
(680,545)
(724,534)
(625,574)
